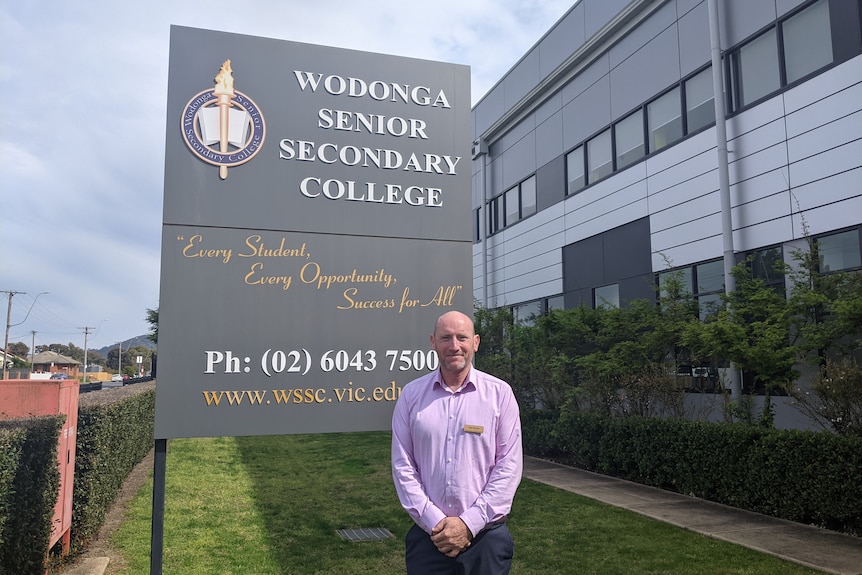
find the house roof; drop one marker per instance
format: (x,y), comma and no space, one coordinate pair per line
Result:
(55,358)
(11,355)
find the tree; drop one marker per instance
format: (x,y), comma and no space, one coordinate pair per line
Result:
(753,330)
(19,349)
(827,316)
(114,361)
(153,319)
(826,308)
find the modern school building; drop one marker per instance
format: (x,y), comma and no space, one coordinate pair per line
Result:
(598,164)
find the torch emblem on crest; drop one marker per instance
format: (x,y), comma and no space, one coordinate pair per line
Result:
(222,126)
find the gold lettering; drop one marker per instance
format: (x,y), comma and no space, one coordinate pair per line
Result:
(191,250)
(252,278)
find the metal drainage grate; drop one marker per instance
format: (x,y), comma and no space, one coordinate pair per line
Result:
(365,534)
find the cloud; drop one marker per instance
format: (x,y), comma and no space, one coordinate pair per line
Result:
(84,89)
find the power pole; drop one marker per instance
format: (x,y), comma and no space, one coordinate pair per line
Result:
(86,333)
(8,325)
(32,350)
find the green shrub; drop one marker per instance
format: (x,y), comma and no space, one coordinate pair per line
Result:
(803,476)
(115,432)
(32,492)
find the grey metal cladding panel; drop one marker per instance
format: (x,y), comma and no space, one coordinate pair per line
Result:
(597,13)
(684,6)
(694,49)
(589,76)
(549,107)
(578,298)
(785,6)
(495,178)
(551,183)
(562,40)
(519,161)
(515,135)
(549,139)
(583,264)
(586,114)
(489,110)
(627,251)
(739,19)
(646,73)
(477,189)
(521,79)
(657,22)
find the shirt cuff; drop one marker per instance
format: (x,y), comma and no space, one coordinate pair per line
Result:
(472,518)
(431,518)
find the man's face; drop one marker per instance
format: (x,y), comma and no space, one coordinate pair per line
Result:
(455,342)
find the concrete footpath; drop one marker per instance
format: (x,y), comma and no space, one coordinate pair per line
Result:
(803,544)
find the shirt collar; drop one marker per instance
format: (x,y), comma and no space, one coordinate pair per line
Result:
(468,385)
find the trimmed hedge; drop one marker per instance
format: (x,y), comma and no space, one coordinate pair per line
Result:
(11,444)
(803,476)
(29,481)
(115,432)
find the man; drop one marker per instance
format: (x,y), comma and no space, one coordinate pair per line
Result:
(457,460)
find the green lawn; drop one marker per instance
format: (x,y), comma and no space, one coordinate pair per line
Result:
(271,506)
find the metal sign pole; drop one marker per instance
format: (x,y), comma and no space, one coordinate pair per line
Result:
(158,533)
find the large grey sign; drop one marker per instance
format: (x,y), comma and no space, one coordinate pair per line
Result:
(316,222)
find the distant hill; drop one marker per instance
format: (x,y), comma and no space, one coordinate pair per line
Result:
(131,342)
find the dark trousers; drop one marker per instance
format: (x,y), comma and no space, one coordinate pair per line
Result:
(490,553)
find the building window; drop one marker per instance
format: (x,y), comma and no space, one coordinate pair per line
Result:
(600,156)
(699,101)
(683,275)
(607,297)
(575,170)
(754,70)
(513,207)
(477,225)
(664,120)
(629,136)
(709,278)
(496,217)
(767,265)
(839,252)
(705,282)
(807,41)
(528,197)
(526,313)
(556,302)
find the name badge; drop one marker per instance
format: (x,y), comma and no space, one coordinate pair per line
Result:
(474,429)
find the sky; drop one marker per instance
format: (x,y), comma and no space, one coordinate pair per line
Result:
(82,131)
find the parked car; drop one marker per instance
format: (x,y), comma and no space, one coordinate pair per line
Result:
(117,377)
(60,376)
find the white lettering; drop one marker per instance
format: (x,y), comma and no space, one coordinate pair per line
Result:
(349,190)
(371,123)
(377,89)
(330,153)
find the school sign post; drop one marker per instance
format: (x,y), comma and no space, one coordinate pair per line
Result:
(317,220)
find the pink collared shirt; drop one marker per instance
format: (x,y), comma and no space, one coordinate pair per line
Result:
(457,454)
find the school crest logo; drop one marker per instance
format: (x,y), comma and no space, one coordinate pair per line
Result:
(222,126)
